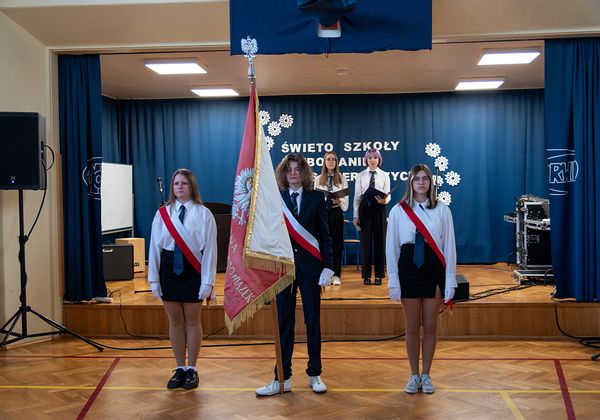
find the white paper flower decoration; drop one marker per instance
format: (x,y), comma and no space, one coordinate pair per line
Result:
(274,128)
(441,162)
(445,197)
(265,117)
(270,142)
(452,178)
(286,120)
(432,149)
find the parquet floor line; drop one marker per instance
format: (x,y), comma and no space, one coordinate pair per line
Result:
(383,359)
(98,389)
(565,390)
(511,404)
(478,379)
(296,389)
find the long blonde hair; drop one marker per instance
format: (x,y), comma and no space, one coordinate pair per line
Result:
(194,193)
(409,197)
(337,175)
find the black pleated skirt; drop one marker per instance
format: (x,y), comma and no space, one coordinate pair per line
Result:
(420,282)
(178,288)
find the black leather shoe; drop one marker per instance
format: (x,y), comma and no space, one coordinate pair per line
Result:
(191,379)
(367,282)
(377,281)
(177,379)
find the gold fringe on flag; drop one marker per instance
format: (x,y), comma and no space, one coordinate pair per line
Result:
(267,296)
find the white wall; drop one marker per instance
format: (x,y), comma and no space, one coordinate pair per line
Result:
(26,70)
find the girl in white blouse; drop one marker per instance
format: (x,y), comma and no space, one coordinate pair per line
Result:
(369,214)
(174,279)
(332,180)
(419,281)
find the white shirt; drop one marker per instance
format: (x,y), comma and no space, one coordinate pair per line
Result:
(382,183)
(202,228)
(344,200)
(402,230)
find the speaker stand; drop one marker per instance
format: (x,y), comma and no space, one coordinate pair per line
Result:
(24,309)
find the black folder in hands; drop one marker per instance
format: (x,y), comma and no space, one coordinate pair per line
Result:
(371,192)
(336,194)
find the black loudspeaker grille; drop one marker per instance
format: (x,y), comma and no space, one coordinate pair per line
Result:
(118,261)
(22,157)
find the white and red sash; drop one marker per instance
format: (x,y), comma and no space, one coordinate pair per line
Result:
(419,224)
(183,240)
(299,234)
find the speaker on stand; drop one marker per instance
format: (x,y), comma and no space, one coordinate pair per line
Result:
(22,167)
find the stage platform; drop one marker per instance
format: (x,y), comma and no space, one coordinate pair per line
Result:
(354,310)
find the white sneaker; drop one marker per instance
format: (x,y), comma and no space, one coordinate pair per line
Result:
(426,384)
(336,281)
(413,385)
(273,388)
(317,384)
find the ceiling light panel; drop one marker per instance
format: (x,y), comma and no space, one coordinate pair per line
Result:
(215,92)
(180,66)
(502,57)
(479,84)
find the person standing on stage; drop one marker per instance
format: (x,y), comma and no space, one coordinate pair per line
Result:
(182,265)
(369,214)
(307,217)
(421,263)
(331,180)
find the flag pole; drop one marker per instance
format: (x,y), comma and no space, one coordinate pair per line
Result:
(278,357)
(250,47)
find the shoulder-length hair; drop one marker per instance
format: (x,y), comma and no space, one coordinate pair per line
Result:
(194,193)
(337,175)
(409,197)
(373,153)
(305,172)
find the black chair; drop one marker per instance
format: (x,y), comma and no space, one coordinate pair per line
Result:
(222,213)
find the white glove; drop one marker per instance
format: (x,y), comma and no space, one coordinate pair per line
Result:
(205,291)
(325,279)
(449,294)
(156,290)
(395,293)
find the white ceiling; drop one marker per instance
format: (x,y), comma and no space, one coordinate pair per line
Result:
(128,32)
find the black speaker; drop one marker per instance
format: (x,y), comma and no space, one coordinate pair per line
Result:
(462,290)
(538,247)
(22,157)
(118,261)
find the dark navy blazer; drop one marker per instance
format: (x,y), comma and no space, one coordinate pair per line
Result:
(313,218)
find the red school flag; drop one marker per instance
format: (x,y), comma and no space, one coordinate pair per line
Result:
(260,260)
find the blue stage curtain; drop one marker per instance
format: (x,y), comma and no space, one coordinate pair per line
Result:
(572,84)
(494,141)
(80,105)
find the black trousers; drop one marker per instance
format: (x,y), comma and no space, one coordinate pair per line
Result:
(286,307)
(336,230)
(372,237)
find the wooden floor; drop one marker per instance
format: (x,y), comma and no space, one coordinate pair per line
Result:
(358,311)
(475,379)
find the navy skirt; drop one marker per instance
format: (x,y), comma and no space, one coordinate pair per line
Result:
(178,288)
(420,282)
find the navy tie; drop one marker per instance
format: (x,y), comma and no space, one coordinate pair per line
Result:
(295,204)
(419,254)
(372,180)
(177,254)
(419,251)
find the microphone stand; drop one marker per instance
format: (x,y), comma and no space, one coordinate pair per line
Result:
(162,203)
(160,191)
